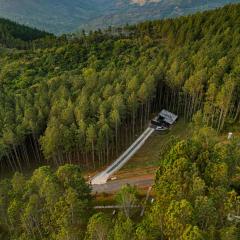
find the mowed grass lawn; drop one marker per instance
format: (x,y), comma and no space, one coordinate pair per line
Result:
(146,160)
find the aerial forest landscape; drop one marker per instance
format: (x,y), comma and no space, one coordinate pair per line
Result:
(119,120)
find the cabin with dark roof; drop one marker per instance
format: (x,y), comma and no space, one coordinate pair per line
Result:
(165,119)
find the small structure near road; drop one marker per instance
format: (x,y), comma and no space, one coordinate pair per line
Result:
(164,120)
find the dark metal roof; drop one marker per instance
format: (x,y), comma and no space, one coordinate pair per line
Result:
(168,116)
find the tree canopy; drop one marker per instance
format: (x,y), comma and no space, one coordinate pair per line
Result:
(83,98)
(47,205)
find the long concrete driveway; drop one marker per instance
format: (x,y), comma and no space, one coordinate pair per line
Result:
(102,177)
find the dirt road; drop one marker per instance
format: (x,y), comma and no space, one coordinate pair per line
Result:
(114,186)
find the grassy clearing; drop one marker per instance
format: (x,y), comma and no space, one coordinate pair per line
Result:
(146,160)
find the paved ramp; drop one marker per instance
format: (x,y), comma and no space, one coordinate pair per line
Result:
(102,177)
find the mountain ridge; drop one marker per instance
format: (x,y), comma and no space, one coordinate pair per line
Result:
(68,16)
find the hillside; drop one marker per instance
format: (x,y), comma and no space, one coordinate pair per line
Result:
(16,35)
(74,103)
(101,90)
(67,16)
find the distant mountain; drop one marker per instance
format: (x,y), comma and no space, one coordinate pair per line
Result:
(60,16)
(52,15)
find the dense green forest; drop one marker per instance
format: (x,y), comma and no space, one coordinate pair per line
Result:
(196,189)
(49,205)
(13,35)
(82,99)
